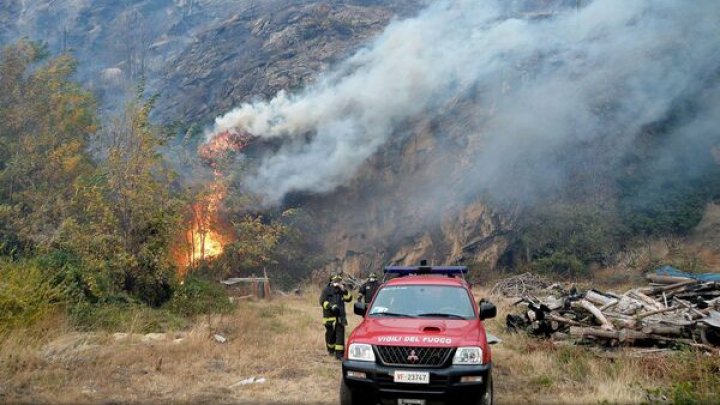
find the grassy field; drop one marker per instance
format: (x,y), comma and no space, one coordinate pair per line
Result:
(282,341)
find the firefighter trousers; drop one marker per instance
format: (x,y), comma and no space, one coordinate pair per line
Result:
(335,338)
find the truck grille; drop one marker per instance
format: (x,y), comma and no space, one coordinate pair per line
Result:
(413,356)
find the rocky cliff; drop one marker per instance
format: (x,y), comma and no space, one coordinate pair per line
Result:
(408,203)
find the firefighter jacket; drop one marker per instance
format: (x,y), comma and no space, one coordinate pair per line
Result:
(333,301)
(368,290)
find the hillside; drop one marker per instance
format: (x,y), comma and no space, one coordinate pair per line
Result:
(420,195)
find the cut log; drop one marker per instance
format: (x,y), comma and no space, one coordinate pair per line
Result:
(609,304)
(656,312)
(622,336)
(587,305)
(616,315)
(554,326)
(650,303)
(562,319)
(663,330)
(666,279)
(598,299)
(678,322)
(624,323)
(671,287)
(694,311)
(560,336)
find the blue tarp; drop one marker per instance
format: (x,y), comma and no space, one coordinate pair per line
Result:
(672,271)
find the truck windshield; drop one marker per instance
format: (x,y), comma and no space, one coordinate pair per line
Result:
(426,301)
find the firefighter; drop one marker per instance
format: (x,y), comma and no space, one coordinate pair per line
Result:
(328,316)
(367,290)
(332,300)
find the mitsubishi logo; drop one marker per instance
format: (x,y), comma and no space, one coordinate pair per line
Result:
(413,358)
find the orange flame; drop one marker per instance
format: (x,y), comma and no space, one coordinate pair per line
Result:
(222,144)
(203,239)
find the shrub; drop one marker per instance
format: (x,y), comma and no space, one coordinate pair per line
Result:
(66,272)
(561,263)
(26,296)
(197,295)
(564,237)
(123,317)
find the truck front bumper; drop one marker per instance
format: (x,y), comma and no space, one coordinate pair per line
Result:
(445,385)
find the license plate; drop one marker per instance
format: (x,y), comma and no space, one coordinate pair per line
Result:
(412,377)
(411,402)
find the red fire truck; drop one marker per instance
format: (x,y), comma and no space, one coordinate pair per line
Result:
(421,342)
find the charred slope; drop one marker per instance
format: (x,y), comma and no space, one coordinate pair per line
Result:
(258,51)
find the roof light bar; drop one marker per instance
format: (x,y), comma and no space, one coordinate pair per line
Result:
(440,270)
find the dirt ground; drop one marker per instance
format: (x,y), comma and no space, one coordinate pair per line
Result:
(278,345)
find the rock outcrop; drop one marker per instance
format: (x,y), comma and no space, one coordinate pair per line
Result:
(408,204)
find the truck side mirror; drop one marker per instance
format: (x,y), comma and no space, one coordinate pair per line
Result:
(360,308)
(487,310)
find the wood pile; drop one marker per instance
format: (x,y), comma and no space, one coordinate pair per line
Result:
(668,312)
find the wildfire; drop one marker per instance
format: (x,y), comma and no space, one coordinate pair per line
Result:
(204,241)
(222,144)
(203,238)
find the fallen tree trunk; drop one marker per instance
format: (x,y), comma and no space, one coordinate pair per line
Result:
(656,312)
(622,336)
(604,323)
(666,279)
(668,288)
(663,330)
(598,299)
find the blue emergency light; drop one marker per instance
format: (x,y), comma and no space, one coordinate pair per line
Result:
(449,271)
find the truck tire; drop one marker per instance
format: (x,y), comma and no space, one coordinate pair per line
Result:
(488,397)
(347,397)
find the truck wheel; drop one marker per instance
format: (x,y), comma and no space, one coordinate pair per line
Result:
(347,397)
(487,398)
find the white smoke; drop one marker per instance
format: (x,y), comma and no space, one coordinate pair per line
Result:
(605,70)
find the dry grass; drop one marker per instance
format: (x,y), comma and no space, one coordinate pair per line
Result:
(282,341)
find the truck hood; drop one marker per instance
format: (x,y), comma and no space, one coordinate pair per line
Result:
(420,332)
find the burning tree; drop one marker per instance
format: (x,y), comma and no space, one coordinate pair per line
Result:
(202,237)
(206,235)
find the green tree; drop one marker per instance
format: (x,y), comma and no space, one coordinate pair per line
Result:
(564,237)
(253,245)
(143,211)
(45,123)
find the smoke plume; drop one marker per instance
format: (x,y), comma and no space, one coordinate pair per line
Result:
(548,86)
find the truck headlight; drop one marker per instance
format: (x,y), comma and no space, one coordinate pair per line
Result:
(468,355)
(361,352)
